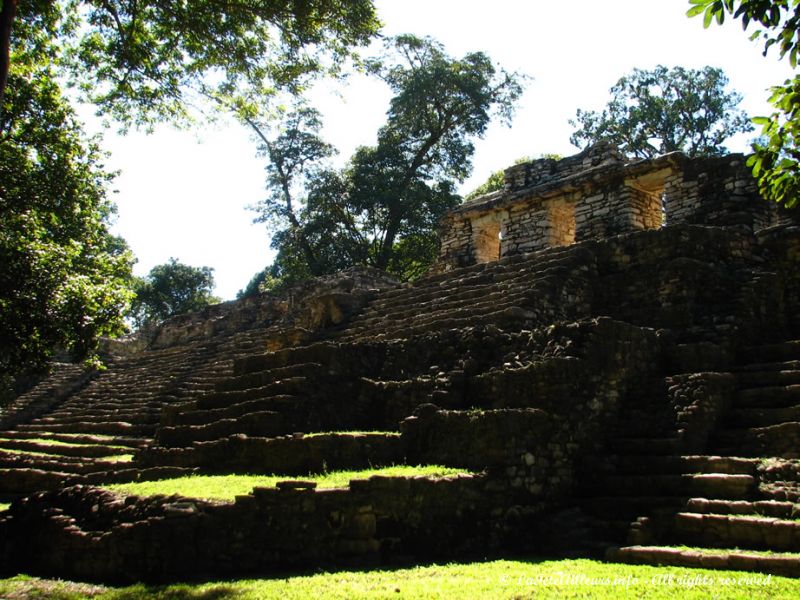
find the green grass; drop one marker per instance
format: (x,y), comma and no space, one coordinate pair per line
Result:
(226,487)
(111,458)
(100,436)
(31,452)
(488,580)
(386,433)
(116,458)
(49,442)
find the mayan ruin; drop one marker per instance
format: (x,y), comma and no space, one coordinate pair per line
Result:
(606,349)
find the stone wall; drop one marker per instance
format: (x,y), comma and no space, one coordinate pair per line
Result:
(88,534)
(298,310)
(565,400)
(297,454)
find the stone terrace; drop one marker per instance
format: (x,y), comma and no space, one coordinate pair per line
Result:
(617,396)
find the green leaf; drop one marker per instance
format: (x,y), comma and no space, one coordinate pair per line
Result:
(709,15)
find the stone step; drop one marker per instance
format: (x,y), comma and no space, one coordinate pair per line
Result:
(781,440)
(64,464)
(743,418)
(766,508)
(786,565)
(781,351)
(254,377)
(429,321)
(126,475)
(758,369)
(767,397)
(108,428)
(142,417)
(628,508)
(472,299)
(292,386)
(132,442)
(776,378)
(633,464)
(710,485)
(82,450)
(729,531)
(513,317)
(22,481)
(259,424)
(278,403)
(480,275)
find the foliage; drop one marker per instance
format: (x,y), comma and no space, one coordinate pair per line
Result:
(64,279)
(776,157)
(493,183)
(383,208)
(259,283)
(495,579)
(142,61)
(171,289)
(665,110)
(227,487)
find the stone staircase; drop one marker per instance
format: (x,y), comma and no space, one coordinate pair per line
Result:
(729,506)
(764,419)
(93,433)
(64,379)
(512,290)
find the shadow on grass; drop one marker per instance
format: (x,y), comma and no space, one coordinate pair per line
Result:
(212,588)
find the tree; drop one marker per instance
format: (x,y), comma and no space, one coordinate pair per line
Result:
(172,289)
(64,279)
(664,110)
(141,61)
(776,155)
(382,209)
(292,156)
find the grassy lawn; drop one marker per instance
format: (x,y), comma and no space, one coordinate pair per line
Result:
(226,487)
(489,580)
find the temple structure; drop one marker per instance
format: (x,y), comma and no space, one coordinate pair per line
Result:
(596,194)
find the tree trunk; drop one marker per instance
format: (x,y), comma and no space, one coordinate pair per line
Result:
(7,15)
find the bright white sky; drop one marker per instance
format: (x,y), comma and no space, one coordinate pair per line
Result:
(185,194)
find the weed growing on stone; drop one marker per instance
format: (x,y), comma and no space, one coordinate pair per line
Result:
(730,551)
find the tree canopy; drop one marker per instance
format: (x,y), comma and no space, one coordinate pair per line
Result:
(64,279)
(776,157)
(664,110)
(382,209)
(171,289)
(141,61)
